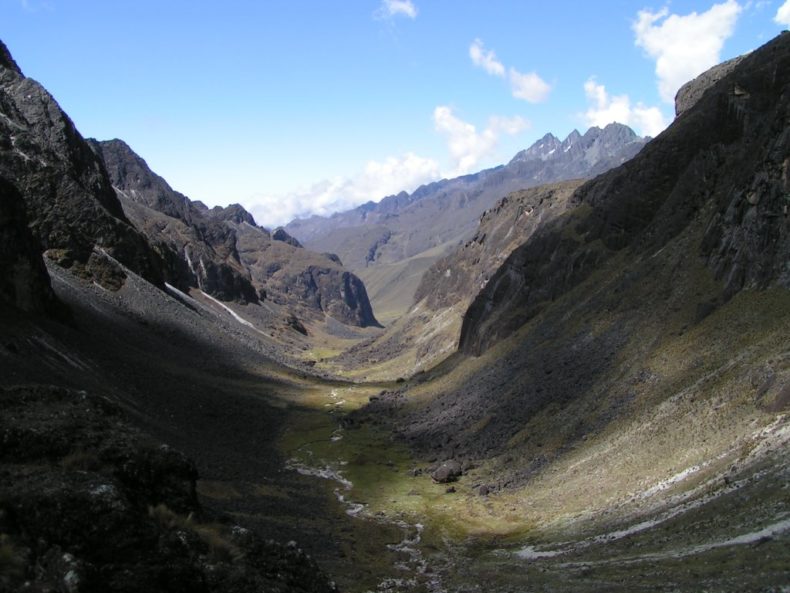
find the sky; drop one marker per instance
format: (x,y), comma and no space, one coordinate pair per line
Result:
(297,107)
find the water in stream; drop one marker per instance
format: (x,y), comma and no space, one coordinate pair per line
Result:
(417,574)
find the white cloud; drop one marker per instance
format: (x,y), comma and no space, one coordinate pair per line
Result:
(36,5)
(783,14)
(487,59)
(467,146)
(606,108)
(393,8)
(684,46)
(377,180)
(529,87)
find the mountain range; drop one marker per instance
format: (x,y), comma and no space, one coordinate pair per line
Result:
(391,243)
(587,388)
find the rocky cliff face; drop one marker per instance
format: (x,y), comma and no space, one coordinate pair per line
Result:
(459,276)
(200,250)
(223,252)
(72,208)
(691,92)
(303,280)
(723,165)
(24,282)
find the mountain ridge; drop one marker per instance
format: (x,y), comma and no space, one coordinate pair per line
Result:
(72,209)
(391,244)
(225,253)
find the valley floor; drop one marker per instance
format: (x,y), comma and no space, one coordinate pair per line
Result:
(725,527)
(295,457)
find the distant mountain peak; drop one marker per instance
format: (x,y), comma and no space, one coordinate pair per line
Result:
(614,136)
(232,213)
(280,234)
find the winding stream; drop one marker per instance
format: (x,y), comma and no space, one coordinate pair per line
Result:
(418,575)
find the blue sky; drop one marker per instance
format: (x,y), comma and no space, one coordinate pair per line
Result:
(293,107)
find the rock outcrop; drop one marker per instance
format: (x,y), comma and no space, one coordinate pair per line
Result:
(225,253)
(87,503)
(303,280)
(691,92)
(71,207)
(280,234)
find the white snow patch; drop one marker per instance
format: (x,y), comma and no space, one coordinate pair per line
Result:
(233,313)
(532,553)
(179,293)
(664,484)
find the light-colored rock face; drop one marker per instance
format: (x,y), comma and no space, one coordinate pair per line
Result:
(688,95)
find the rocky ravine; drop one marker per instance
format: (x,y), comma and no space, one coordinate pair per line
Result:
(429,331)
(94,341)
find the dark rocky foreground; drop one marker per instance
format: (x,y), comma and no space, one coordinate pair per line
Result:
(88,503)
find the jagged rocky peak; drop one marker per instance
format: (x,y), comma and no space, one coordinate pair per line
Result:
(71,206)
(233,213)
(132,176)
(612,135)
(199,251)
(542,149)
(607,141)
(280,234)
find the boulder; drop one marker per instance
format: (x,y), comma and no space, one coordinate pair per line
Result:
(448,471)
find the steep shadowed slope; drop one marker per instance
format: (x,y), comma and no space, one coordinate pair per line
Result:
(24,282)
(723,163)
